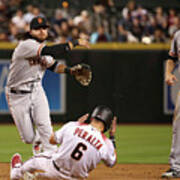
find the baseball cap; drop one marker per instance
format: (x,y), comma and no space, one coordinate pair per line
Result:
(38,22)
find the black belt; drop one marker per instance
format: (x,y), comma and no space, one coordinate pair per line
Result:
(19,91)
(56,167)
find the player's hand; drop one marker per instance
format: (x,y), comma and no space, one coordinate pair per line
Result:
(170,79)
(112,130)
(83,118)
(84,43)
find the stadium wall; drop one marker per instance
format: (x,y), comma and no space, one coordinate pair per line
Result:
(127,78)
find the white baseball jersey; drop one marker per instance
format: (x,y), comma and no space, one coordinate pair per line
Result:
(82,148)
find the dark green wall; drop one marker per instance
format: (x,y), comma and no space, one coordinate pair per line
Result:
(128,81)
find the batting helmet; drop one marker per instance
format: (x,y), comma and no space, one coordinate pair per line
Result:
(103,114)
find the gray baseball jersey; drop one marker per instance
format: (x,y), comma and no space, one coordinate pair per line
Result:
(82,148)
(29,109)
(174,157)
(22,75)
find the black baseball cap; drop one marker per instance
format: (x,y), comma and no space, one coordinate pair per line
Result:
(38,22)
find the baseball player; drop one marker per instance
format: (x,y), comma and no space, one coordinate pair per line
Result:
(171,79)
(25,95)
(82,147)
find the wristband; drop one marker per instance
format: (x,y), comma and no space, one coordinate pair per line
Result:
(75,42)
(112,138)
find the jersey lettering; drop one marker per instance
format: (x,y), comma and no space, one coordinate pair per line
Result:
(88,137)
(78,151)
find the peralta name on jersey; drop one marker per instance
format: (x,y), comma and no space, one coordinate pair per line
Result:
(88,137)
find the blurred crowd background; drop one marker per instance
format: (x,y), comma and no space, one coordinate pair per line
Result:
(98,21)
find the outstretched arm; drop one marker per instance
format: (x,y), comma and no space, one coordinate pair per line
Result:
(58,49)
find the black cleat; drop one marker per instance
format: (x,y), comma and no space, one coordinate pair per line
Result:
(171,173)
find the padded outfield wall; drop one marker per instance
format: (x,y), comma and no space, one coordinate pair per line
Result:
(127,77)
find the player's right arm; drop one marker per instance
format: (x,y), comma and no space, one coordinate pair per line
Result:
(170,78)
(31,48)
(57,137)
(58,49)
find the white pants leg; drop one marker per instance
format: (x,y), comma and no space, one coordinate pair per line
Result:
(41,118)
(43,164)
(174,158)
(20,108)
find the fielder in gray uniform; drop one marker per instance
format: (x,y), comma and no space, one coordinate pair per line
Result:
(82,147)
(170,79)
(25,95)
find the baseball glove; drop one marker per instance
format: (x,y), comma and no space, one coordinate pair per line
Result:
(82,73)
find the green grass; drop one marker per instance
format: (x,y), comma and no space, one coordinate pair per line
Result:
(135,143)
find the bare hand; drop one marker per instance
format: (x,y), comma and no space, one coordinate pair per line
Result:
(113,126)
(171,79)
(83,118)
(84,43)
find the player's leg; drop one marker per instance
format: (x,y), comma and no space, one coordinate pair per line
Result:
(19,106)
(42,166)
(41,116)
(174,157)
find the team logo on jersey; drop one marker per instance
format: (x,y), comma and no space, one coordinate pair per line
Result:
(40,20)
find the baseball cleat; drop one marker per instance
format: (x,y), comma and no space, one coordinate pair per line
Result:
(16,161)
(171,173)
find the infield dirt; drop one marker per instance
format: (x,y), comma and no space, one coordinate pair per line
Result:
(119,172)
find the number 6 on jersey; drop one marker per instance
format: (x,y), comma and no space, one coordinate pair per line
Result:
(78,151)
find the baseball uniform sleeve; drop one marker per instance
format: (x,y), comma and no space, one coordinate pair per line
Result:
(60,133)
(173,49)
(109,155)
(29,48)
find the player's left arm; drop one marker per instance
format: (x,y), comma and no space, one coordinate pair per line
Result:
(59,68)
(81,72)
(112,132)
